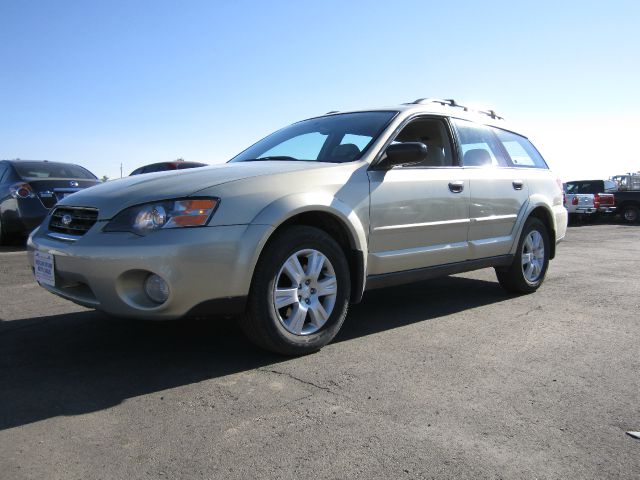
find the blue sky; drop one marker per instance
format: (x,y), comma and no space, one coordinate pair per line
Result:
(100,83)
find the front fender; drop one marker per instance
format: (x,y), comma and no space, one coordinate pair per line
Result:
(285,208)
(280,211)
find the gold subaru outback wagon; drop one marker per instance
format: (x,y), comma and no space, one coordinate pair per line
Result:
(292,230)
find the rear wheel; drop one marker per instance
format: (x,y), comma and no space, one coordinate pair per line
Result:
(299,293)
(531,261)
(630,214)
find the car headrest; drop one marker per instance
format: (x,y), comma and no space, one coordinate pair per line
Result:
(435,155)
(477,157)
(347,150)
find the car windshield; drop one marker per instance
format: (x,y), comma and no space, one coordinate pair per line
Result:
(333,138)
(52,170)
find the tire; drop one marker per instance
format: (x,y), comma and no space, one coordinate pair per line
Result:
(298,326)
(630,214)
(526,274)
(4,236)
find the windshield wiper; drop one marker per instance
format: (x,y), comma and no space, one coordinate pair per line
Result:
(275,157)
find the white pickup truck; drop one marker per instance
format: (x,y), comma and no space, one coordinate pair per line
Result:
(587,198)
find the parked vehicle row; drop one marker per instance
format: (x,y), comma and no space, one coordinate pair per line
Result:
(585,199)
(30,188)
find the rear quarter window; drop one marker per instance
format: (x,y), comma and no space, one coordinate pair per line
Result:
(521,151)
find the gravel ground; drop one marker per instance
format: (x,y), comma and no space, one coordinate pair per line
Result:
(450,378)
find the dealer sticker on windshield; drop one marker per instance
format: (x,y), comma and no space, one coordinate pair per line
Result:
(44,268)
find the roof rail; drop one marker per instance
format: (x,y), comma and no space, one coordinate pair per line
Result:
(332,112)
(450,102)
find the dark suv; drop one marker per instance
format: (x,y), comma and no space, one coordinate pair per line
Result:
(29,188)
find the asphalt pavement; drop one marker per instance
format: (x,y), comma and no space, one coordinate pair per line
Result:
(450,378)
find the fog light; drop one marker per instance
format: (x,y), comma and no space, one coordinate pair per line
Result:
(156,288)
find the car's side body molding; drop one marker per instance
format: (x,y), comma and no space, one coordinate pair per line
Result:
(419,274)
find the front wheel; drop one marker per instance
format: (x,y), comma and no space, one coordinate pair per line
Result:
(527,272)
(299,294)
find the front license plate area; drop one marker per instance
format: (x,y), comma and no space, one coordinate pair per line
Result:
(44,268)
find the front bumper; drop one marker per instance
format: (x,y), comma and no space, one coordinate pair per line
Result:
(202,266)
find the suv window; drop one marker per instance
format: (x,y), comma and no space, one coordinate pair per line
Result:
(433,133)
(3,170)
(521,151)
(479,146)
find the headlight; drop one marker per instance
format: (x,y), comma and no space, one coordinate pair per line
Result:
(142,219)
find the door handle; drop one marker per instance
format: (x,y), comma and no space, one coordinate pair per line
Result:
(518,184)
(456,187)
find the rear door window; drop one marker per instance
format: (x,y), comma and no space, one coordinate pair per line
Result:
(521,151)
(479,147)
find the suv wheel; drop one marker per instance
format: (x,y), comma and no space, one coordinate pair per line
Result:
(630,214)
(299,293)
(530,263)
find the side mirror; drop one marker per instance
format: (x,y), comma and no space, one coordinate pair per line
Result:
(402,154)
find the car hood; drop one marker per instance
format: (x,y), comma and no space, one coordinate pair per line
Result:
(112,197)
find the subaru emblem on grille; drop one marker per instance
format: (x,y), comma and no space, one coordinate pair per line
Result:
(73,183)
(66,219)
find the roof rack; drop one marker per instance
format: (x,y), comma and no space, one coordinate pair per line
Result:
(332,112)
(450,102)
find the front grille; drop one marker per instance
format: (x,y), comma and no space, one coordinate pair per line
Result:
(73,220)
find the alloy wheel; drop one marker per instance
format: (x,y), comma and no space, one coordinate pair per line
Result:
(533,256)
(305,292)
